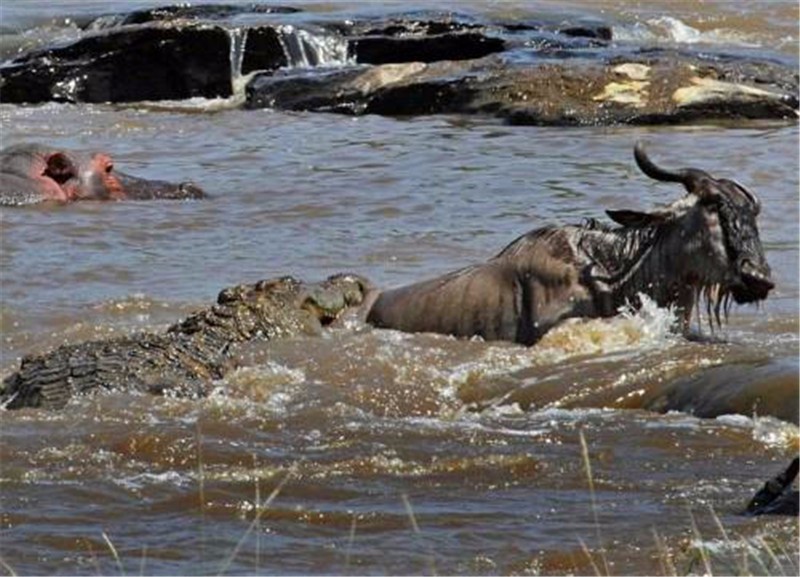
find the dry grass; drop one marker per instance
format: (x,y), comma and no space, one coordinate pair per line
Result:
(721,554)
(587,465)
(261,508)
(415,527)
(113,552)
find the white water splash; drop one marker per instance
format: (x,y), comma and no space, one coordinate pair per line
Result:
(673,30)
(771,432)
(653,322)
(141,480)
(633,330)
(270,384)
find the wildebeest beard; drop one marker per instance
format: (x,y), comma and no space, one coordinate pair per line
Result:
(742,244)
(641,260)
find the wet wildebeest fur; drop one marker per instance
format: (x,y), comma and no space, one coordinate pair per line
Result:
(777,497)
(31,173)
(704,246)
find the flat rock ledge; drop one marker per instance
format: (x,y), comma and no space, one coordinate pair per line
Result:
(670,90)
(522,72)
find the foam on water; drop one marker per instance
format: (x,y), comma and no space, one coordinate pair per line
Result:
(771,432)
(142,480)
(632,331)
(673,30)
(271,384)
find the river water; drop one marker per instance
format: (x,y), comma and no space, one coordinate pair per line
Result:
(369,451)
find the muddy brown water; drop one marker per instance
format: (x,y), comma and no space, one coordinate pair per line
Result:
(375,452)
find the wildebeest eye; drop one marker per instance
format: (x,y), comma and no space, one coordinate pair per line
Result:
(710,200)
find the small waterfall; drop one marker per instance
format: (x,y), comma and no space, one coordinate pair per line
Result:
(301,47)
(306,49)
(238,42)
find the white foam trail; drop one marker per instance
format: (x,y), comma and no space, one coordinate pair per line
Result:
(673,30)
(631,331)
(142,480)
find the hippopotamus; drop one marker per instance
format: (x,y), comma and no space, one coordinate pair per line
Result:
(31,173)
(704,246)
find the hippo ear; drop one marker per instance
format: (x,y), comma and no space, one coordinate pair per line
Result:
(60,168)
(635,219)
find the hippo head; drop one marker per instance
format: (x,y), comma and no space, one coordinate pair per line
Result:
(33,172)
(94,177)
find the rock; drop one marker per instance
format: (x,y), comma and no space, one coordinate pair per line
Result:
(420,63)
(601,32)
(450,46)
(262,50)
(204,12)
(592,93)
(135,63)
(331,91)
(390,89)
(414,26)
(708,93)
(161,61)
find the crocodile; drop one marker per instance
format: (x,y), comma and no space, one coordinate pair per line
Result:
(185,359)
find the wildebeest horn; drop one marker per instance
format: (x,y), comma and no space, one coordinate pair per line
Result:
(689,177)
(750,195)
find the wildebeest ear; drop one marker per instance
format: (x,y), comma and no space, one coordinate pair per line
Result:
(60,168)
(634,218)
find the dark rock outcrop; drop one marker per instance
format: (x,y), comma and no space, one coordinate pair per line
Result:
(203,12)
(191,353)
(526,72)
(391,89)
(262,51)
(460,46)
(669,90)
(124,65)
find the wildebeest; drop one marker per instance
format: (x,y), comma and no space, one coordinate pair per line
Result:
(704,246)
(31,173)
(777,497)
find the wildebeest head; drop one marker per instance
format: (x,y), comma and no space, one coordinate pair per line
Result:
(712,235)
